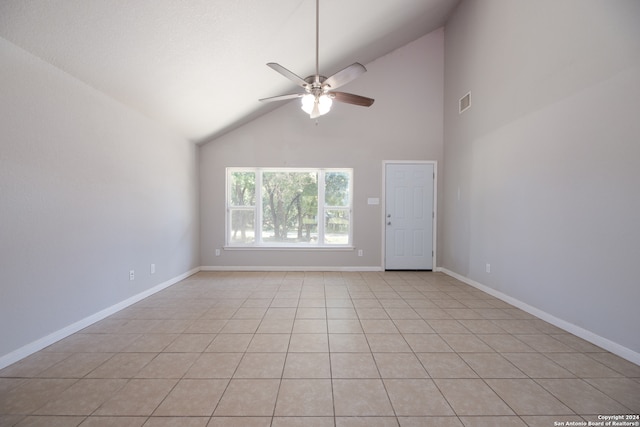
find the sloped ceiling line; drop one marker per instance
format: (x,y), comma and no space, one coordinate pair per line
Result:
(199,66)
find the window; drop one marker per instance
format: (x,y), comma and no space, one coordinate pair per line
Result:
(269,207)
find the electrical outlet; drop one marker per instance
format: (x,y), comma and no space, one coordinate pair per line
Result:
(360,252)
(132,274)
(153,268)
(217,252)
(488,268)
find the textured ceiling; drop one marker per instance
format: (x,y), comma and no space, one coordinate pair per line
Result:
(199,65)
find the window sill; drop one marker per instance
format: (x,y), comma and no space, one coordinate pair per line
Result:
(289,248)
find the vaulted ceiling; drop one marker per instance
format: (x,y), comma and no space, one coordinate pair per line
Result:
(199,65)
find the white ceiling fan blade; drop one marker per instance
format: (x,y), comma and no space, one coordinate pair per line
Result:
(345,75)
(282,97)
(288,74)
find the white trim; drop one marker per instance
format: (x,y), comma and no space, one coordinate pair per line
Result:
(258,210)
(287,268)
(585,334)
(434,223)
(300,248)
(46,341)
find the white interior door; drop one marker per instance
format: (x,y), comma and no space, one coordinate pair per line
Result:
(409,190)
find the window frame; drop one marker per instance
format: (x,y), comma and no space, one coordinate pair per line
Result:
(257,210)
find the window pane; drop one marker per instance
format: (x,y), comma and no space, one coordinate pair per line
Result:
(242,226)
(289,206)
(242,189)
(336,189)
(336,229)
(280,207)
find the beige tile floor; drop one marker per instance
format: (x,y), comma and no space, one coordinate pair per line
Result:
(252,349)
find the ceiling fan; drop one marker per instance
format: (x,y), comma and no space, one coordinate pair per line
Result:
(320,90)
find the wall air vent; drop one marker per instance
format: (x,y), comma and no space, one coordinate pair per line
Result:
(464,103)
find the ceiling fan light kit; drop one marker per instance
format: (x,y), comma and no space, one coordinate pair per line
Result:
(310,103)
(319,90)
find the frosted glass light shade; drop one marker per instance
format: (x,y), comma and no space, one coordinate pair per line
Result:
(324,103)
(307,103)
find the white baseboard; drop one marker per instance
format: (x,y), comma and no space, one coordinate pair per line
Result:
(284,268)
(46,341)
(585,334)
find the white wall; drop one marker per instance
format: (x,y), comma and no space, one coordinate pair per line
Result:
(405,123)
(541,174)
(88,191)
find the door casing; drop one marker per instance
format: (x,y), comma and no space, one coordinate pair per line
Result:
(384,204)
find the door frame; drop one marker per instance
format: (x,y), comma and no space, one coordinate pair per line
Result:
(434,223)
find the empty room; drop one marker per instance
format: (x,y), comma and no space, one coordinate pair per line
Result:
(319,213)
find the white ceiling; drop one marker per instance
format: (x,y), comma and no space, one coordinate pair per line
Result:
(199,65)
